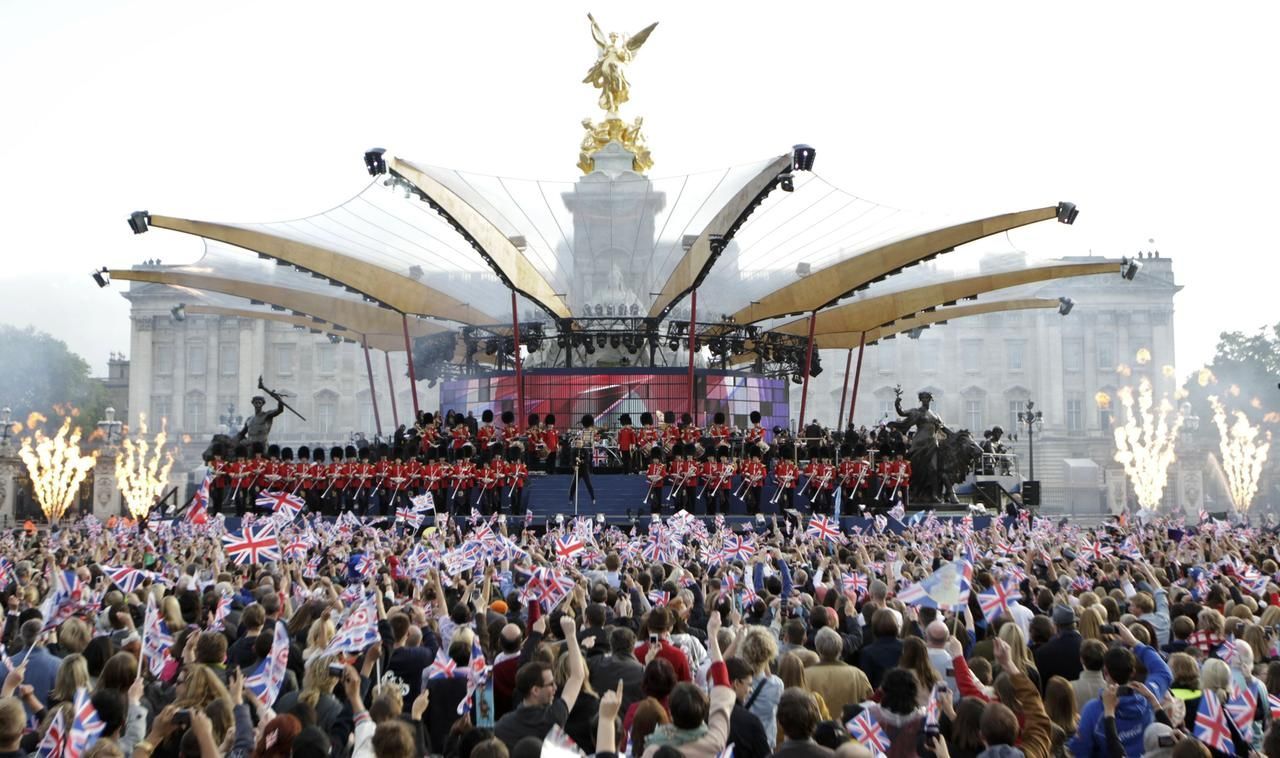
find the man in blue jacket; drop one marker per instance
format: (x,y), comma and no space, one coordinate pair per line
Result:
(1133,711)
(41,665)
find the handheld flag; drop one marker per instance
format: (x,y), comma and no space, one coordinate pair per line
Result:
(266,679)
(945,589)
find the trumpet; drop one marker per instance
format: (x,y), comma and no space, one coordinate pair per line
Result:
(782,484)
(683,478)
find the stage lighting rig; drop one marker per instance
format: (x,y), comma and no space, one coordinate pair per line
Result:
(102,277)
(1129,268)
(802,157)
(178,312)
(374,162)
(1065,304)
(1067,213)
(139,221)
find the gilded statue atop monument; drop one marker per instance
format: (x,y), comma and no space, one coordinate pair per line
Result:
(609,72)
(609,76)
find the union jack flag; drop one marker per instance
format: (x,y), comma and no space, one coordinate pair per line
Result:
(547,587)
(198,513)
(854,584)
(568,546)
(822,527)
(266,679)
(416,563)
(1227,650)
(156,639)
(220,613)
(442,667)
(995,601)
(364,564)
(476,672)
(1094,550)
(281,502)
(1211,724)
(659,598)
(86,726)
(739,547)
(126,578)
(253,545)
(866,729)
(54,742)
(312,569)
(1273,704)
(1242,705)
(411,515)
(358,631)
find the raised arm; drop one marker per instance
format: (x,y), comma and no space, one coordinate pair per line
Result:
(572,685)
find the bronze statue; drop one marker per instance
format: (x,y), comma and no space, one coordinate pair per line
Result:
(609,72)
(927,485)
(258,426)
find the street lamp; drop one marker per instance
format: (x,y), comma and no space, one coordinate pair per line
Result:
(109,426)
(230,420)
(1031,417)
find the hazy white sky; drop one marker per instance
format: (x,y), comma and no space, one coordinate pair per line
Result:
(1158,119)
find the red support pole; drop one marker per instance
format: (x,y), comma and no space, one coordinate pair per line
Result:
(391,386)
(408,349)
(693,348)
(808,362)
(844,390)
(373,394)
(515,331)
(857,375)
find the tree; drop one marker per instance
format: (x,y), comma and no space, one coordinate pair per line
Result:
(40,374)
(1243,375)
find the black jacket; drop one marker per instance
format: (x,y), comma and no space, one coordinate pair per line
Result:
(1060,656)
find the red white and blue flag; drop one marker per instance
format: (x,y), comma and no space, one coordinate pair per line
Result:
(442,667)
(866,729)
(568,546)
(1241,706)
(252,545)
(86,726)
(854,584)
(54,742)
(945,589)
(266,679)
(156,638)
(995,601)
(198,513)
(126,578)
(1211,724)
(825,528)
(358,631)
(220,613)
(284,503)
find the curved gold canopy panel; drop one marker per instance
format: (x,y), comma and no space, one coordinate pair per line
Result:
(397,291)
(503,255)
(359,317)
(864,315)
(389,343)
(848,340)
(690,269)
(825,286)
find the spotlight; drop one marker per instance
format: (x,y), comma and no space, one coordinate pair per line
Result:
(615,341)
(673,344)
(591,347)
(1067,213)
(373,161)
(787,182)
(138,221)
(635,309)
(915,333)
(1129,268)
(334,339)
(101,277)
(602,340)
(599,310)
(803,269)
(179,312)
(795,379)
(415,272)
(490,347)
(562,341)
(802,157)
(1065,304)
(608,310)
(634,348)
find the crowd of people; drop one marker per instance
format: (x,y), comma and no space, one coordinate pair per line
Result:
(466,464)
(936,638)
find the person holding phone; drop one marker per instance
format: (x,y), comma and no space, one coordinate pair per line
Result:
(660,636)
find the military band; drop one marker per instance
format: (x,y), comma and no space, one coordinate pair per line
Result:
(486,467)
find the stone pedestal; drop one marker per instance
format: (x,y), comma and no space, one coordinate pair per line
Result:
(106,494)
(10,467)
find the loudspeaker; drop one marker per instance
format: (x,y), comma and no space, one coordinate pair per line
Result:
(989,493)
(1031,493)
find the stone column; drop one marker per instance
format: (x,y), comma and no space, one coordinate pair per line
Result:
(140,376)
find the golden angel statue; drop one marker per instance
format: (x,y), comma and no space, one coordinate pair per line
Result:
(609,72)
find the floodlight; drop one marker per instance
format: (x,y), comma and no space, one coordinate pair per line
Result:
(374,162)
(1067,213)
(803,269)
(1065,304)
(138,221)
(1129,268)
(102,277)
(179,312)
(802,157)
(787,182)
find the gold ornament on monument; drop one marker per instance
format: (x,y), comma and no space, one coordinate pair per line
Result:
(609,76)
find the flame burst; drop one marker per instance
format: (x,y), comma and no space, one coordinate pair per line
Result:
(142,470)
(1143,356)
(1242,454)
(56,467)
(1205,376)
(1144,444)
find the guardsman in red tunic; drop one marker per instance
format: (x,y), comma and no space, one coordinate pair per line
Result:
(753,475)
(785,474)
(552,440)
(428,433)
(488,478)
(690,437)
(486,435)
(647,438)
(682,478)
(901,479)
(719,432)
(463,477)
(510,432)
(516,476)
(460,435)
(656,474)
(754,438)
(825,494)
(627,445)
(719,484)
(670,435)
